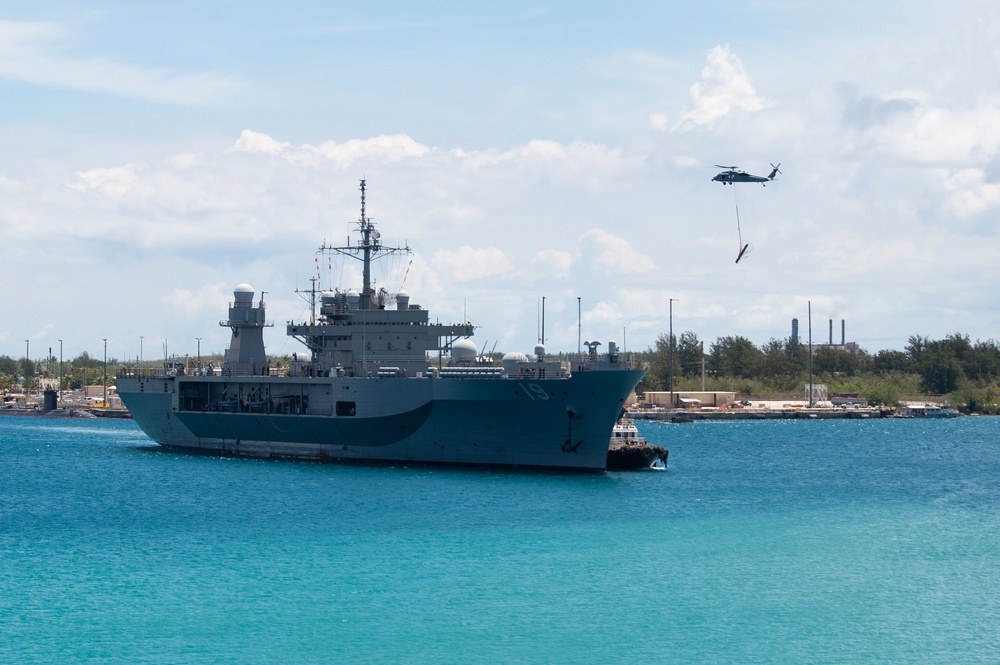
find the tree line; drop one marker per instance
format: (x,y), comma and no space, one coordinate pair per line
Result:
(955,367)
(24,373)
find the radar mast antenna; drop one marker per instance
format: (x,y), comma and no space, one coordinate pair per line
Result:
(367,230)
(369,248)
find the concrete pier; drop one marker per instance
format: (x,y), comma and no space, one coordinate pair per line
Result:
(758,413)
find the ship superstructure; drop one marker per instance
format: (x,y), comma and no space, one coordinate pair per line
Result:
(378,381)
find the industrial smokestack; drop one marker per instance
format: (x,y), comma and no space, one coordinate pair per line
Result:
(831,332)
(795,331)
(843,331)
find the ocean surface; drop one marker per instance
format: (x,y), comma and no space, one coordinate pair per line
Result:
(763,542)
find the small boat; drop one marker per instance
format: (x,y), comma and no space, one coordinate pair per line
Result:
(928,411)
(627,451)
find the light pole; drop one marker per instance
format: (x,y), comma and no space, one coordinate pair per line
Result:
(27,345)
(105,372)
(59,394)
(671,355)
(140,349)
(579,325)
(810,310)
(703,367)
(199,354)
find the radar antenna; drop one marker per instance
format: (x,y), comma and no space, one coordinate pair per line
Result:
(370,247)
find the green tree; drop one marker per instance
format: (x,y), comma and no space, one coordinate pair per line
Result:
(688,355)
(915,347)
(983,363)
(888,362)
(659,366)
(940,371)
(9,366)
(883,392)
(783,359)
(831,360)
(735,356)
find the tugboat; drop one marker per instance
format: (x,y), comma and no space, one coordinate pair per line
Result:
(372,385)
(628,451)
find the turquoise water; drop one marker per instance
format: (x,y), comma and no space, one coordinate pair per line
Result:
(764,542)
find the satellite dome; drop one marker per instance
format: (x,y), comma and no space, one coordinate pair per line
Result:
(402,300)
(464,349)
(243,293)
(512,360)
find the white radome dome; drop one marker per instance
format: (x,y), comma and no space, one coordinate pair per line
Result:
(516,356)
(243,293)
(464,349)
(512,359)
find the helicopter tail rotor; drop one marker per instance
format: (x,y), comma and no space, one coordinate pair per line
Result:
(774,172)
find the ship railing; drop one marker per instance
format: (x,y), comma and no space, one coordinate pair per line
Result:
(582,362)
(248,324)
(140,373)
(248,369)
(547,370)
(467,372)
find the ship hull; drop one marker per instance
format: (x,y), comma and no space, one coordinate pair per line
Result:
(547,423)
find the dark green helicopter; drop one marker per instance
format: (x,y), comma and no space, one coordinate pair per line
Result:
(732,176)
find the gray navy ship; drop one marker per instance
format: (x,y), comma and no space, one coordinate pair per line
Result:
(378,381)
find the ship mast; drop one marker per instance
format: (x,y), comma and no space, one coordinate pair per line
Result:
(367,245)
(370,247)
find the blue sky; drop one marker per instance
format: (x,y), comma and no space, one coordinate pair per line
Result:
(154,157)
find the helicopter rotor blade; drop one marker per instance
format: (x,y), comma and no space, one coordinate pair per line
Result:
(720,166)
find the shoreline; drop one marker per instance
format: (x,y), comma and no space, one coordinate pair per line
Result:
(75,412)
(790,413)
(687,416)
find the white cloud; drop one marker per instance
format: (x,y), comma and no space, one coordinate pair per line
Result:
(554,262)
(659,122)
(968,192)
(390,148)
(187,160)
(208,300)
(603,314)
(469,263)
(10,184)
(36,53)
(724,86)
(929,134)
(561,163)
(614,255)
(251,141)
(114,182)
(382,149)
